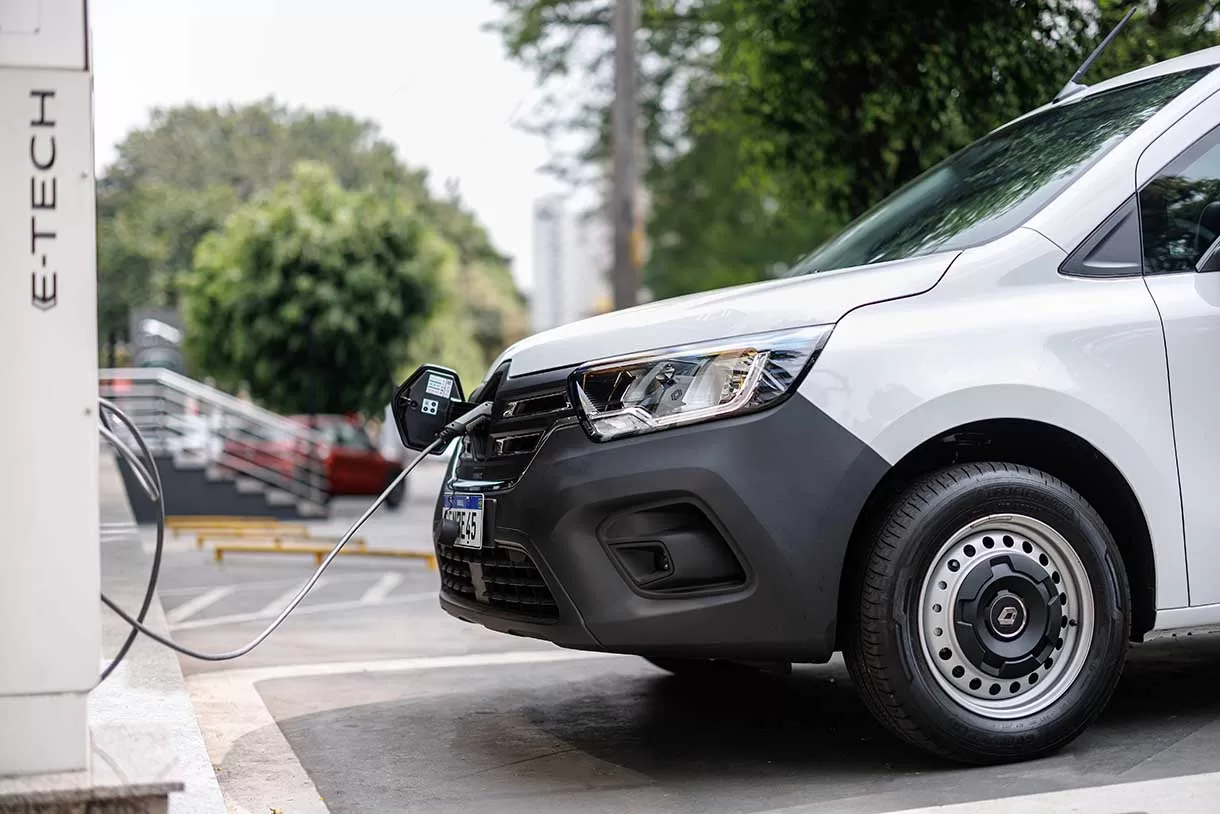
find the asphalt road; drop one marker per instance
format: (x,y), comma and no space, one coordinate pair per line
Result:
(372,699)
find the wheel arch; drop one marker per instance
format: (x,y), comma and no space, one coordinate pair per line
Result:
(1039,445)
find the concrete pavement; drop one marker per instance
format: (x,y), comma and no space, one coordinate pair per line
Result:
(375,700)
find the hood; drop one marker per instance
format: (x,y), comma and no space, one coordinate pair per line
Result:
(813,299)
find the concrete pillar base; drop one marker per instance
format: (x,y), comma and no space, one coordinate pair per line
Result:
(60,721)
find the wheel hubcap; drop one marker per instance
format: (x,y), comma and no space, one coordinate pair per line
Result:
(1006,616)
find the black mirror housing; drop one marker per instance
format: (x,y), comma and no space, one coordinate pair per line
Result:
(423,405)
(1210,261)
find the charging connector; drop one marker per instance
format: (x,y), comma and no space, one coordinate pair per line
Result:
(464,423)
(150,479)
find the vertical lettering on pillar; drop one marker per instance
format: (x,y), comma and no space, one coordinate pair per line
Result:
(44,191)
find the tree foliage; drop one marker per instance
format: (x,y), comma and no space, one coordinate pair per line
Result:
(179,178)
(250,148)
(313,292)
(770,123)
(146,240)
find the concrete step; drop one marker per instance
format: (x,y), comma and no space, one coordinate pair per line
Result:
(278,497)
(218,473)
(190,462)
(307,509)
(249,486)
(200,492)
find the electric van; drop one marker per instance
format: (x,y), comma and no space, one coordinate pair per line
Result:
(972,442)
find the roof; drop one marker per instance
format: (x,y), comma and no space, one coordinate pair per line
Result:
(1198,59)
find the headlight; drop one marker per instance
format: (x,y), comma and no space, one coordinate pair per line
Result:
(652,391)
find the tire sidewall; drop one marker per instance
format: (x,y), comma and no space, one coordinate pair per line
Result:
(1006,492)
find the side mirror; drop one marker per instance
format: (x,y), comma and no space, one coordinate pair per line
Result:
(1210,259)
(423,405)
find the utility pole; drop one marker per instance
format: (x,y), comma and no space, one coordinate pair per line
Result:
(626,275)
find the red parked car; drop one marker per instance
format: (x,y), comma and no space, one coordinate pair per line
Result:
(351,461)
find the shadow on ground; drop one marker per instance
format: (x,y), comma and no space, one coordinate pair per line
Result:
(615,735)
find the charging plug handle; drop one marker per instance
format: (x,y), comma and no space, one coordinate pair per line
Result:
(464,423)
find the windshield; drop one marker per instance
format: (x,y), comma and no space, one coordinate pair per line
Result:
(998,182)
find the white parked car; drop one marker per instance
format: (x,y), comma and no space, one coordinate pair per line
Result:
(973,442)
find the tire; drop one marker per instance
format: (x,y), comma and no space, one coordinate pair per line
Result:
(961,562)
(395,498)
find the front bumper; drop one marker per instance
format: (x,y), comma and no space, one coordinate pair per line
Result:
(722,540)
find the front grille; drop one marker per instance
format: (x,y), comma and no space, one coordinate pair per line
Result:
(537,405)
(524,410)
(502,578)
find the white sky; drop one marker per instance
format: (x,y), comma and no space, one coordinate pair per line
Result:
(440,87)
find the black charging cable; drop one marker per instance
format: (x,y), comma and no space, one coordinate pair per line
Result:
(150,479)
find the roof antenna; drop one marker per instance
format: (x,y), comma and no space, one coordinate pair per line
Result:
(1073,86)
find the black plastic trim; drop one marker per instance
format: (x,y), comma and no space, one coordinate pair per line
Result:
(1121,224)
(784,487)
(711,590)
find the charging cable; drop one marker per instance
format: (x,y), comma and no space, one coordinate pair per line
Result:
(150,481)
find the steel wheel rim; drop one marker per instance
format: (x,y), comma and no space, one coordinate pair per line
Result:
(1018,561)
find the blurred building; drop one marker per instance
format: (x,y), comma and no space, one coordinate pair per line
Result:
(572,253)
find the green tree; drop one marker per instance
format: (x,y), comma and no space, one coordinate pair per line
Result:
(146,238)
(1161,29)
(314,291)
(769,123)
(852,99)
(713,226)
(179,178)
(250,148)
(480,313)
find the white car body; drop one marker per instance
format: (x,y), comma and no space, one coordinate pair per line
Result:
(973,442)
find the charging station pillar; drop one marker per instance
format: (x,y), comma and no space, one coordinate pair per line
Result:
(50,652)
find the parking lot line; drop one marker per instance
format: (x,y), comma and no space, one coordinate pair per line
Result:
(381,588)
(276,605)
(1189,794)
(193,606)
(272,610)
(230,709)
(295,579)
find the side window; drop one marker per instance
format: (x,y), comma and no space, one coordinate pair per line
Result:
(1180,209)
(353,437)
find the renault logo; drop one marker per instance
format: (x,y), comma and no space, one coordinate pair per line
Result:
(1007,617)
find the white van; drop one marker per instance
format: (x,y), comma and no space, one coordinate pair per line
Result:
(973,442)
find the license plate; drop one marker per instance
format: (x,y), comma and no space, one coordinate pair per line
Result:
(467,512)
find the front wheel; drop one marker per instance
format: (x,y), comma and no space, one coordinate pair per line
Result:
(992,615)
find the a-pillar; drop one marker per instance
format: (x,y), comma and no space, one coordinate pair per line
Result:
(49,611)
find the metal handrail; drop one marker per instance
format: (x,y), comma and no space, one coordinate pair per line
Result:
(190,387)
(159,401)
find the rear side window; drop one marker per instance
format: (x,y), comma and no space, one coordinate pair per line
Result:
(1180,209)
(351,437)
